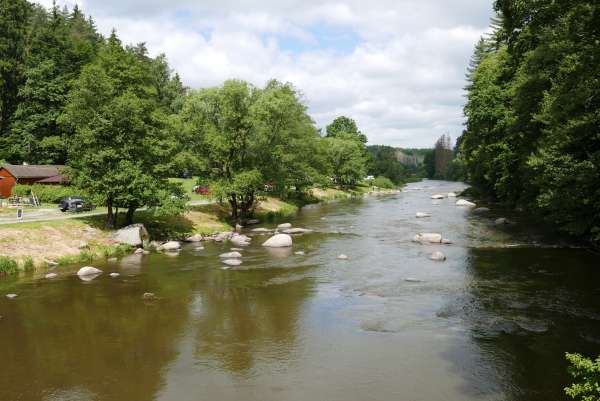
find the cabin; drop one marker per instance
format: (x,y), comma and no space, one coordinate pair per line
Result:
(12,174)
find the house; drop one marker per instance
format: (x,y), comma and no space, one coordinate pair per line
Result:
(11,175)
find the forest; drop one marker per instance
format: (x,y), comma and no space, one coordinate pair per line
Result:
(532,137)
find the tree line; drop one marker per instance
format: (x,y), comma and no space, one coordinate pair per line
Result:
(532,135)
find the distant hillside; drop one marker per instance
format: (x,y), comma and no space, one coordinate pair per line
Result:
(399,165)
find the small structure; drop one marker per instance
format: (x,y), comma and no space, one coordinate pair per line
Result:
(11,175)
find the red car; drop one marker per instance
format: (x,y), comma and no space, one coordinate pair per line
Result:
(201,189)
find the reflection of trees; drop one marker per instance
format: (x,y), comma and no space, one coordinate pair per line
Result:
(239,321)
(525,308)
(97,338)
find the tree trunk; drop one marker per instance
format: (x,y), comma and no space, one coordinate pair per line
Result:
(234,208)
(129,216)
(110,217)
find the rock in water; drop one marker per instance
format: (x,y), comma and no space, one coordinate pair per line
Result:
(300,253)
(296,230)
(88,271)
(261,230)
(148,296)
(232,262)
(428,237)
(501,221)
(420,215)
(240,240)
(11,296)
(451,195)
(252,221)
(134,235)
(284,226)
(194,238)
(464,202)
(437,196)
(278,241)
(342,257)
(230,255)
(446,241)
(481,210)
(139,251)
(170,246)
(113,275)
(51,275)
(437,256)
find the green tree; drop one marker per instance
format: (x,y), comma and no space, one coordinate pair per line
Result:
(346,160)
(345,128)
(587,373)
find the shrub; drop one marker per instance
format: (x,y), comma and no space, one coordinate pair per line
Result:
(46,193)
(8,266)
(383,182)
(587,375)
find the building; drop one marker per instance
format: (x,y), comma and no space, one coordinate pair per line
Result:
(11,175)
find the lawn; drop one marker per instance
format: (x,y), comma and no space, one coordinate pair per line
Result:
(188,184)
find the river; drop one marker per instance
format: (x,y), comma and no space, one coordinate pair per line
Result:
(492,322)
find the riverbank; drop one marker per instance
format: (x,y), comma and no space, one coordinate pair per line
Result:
(37,246)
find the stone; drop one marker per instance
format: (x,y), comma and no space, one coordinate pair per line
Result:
(112,260)
(238,227)
(236,249)
(437,196)
(83,245)
(300,253)
(170,246)
(51,275)
(501,221)
(11,296)
(412,280)
(88,271)
(437,256)
(278,241)
(342,257)
(133,235)
(446,241)
(138,251)
(224,236)
(240,240)
(51,263)
(230,255)
(451,195)
(232,262)
(420,215)
(284,226)
(481,210)
(261,230)
(464,202)
(252,221)
(199,248)
(428,237)
(194,238)
(113,275)
(149,296)
(297,230)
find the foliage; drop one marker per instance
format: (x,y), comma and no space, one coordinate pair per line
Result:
(587,375)
(533,112)
(46,193)
(347,161)
(8,266)
(383,182)
(383,161)
(345,128)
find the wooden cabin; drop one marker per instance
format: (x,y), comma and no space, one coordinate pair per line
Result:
(12,174)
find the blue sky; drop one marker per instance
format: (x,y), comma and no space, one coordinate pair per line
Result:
(396,66)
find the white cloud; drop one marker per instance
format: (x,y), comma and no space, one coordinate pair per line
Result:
(397,67)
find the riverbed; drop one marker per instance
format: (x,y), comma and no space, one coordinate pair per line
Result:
(492,322)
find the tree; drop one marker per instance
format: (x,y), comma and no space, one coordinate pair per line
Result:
(346,160)
(345,128)
(442,155)
(120,146)
(587,373)
(249,137)
(14,16)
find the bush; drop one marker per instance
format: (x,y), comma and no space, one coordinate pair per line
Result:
(46,193)
(383,182)
(587,375)
(8,266)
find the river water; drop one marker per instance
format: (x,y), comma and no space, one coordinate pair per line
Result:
(492,322)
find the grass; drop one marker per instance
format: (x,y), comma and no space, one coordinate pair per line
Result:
(270,208)
(188,184)
(8,266)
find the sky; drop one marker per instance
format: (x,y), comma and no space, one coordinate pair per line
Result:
(397,67)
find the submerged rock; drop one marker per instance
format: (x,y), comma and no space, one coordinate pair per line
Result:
(342,257)
(261,230)
(481,210)
(149,296)
(194,238)
(230,255)
(501,221)
(240,240)
(252,221)
(428,237)
(300,253)
(88,271)
(451,195)
(296,230)
(11,296)
(446,241)
(284,225)
(51,275)
(437,256)
(412,280)
(420,215)
(114,275)
(278,241)
(170,246)
(464,202)
(232,262)
(437,196)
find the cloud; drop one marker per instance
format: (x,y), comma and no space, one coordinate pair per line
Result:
(396,67)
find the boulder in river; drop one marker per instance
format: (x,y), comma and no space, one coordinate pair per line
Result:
(261,230)
(446,241)
(51,275)
(279,241)
(194,238)
(284,226)
(240,240)
(421,215)
(300,253)
(113,275)
(139,251)
(428,237)
(149,296)
(464,202)
(451,195)
(171,246)
(224,236)
(296,230)
(342,257)
(437,256)
(232,262)
(11,296)
(134,235)
(230,255)
(501,221)
(437,196)
(252,221)
(88,271)
(481,210)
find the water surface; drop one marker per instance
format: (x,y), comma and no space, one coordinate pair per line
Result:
(492,322)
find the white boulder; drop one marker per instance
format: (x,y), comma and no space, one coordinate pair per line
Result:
(278,241)
(437,196)
(51,275)
(224,236)
(451,195)
(113,275)
(501,221)
(11,296)
(194,238)
(261,230)
(420,215)
(342,257)
(464,202)
(88,271)
(284,226)
(240,240)
(428,237)
(232,262)
(134,235)
(437,256)
(230,255)
(170,246)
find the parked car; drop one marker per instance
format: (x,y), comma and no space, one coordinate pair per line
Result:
(201,189)
(75,204)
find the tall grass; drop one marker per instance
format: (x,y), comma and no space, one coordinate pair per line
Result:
(8,266)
